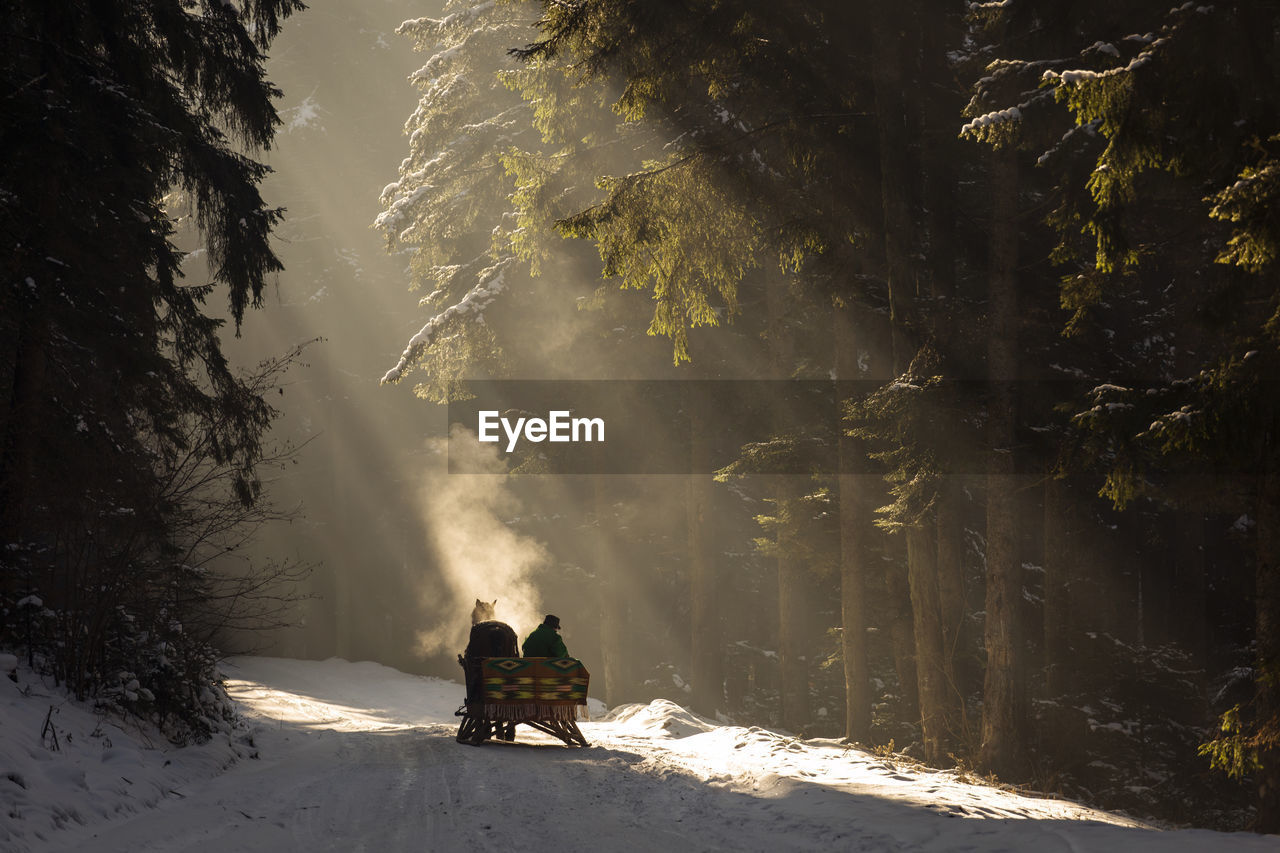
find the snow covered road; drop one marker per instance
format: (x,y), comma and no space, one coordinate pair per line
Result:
(359,757)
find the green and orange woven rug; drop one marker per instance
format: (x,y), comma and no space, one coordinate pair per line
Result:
(533,688)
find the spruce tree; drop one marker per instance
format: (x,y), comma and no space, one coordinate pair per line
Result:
(120,118)
(449,205)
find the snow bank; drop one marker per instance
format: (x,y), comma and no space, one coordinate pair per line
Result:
(62,765)
(661,718)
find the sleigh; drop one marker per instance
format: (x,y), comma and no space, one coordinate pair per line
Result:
(546,694)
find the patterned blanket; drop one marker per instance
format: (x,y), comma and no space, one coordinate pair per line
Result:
(533,688)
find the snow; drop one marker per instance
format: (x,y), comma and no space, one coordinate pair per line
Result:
(995,117)
(1080,76)
(431,73)
(63,769)
(357,756)
(491,283)
(393,218)
(305,116)
(457,19)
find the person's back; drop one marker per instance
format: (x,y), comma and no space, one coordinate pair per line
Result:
(545,641)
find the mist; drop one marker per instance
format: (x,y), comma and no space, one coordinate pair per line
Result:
(468,515)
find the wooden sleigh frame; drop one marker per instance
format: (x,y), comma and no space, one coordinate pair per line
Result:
(542,693)
(477,730)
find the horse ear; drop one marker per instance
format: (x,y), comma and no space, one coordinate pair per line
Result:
(479,603)
(495,603)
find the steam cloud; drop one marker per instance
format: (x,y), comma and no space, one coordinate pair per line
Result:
(478,554)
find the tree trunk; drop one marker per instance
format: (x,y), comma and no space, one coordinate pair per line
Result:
(932,108)
(22,426)
(341,570)
(952,604)
(897,177)
(901,629)
(1189,605)
(1059,565)
(610,595)
(794,614)
(1001,710)
(612,620)
(855,530)
(922,570)
(706,646)
(1267,682)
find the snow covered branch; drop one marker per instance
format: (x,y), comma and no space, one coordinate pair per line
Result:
(471,307)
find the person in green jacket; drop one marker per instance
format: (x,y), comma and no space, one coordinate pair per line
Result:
(545,640)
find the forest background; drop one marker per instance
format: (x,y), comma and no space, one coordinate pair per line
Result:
(1044,236)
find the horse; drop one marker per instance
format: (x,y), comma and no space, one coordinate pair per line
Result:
(489,639)
(483,611)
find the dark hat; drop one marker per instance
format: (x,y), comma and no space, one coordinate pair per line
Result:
(553,621)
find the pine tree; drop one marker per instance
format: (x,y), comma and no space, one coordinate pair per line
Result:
(448,203)
(118,116)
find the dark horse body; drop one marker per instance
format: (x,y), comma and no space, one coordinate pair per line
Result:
(489,639)
(492,640)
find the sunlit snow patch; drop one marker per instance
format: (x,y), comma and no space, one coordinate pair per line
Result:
(336,694)
(660,718)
